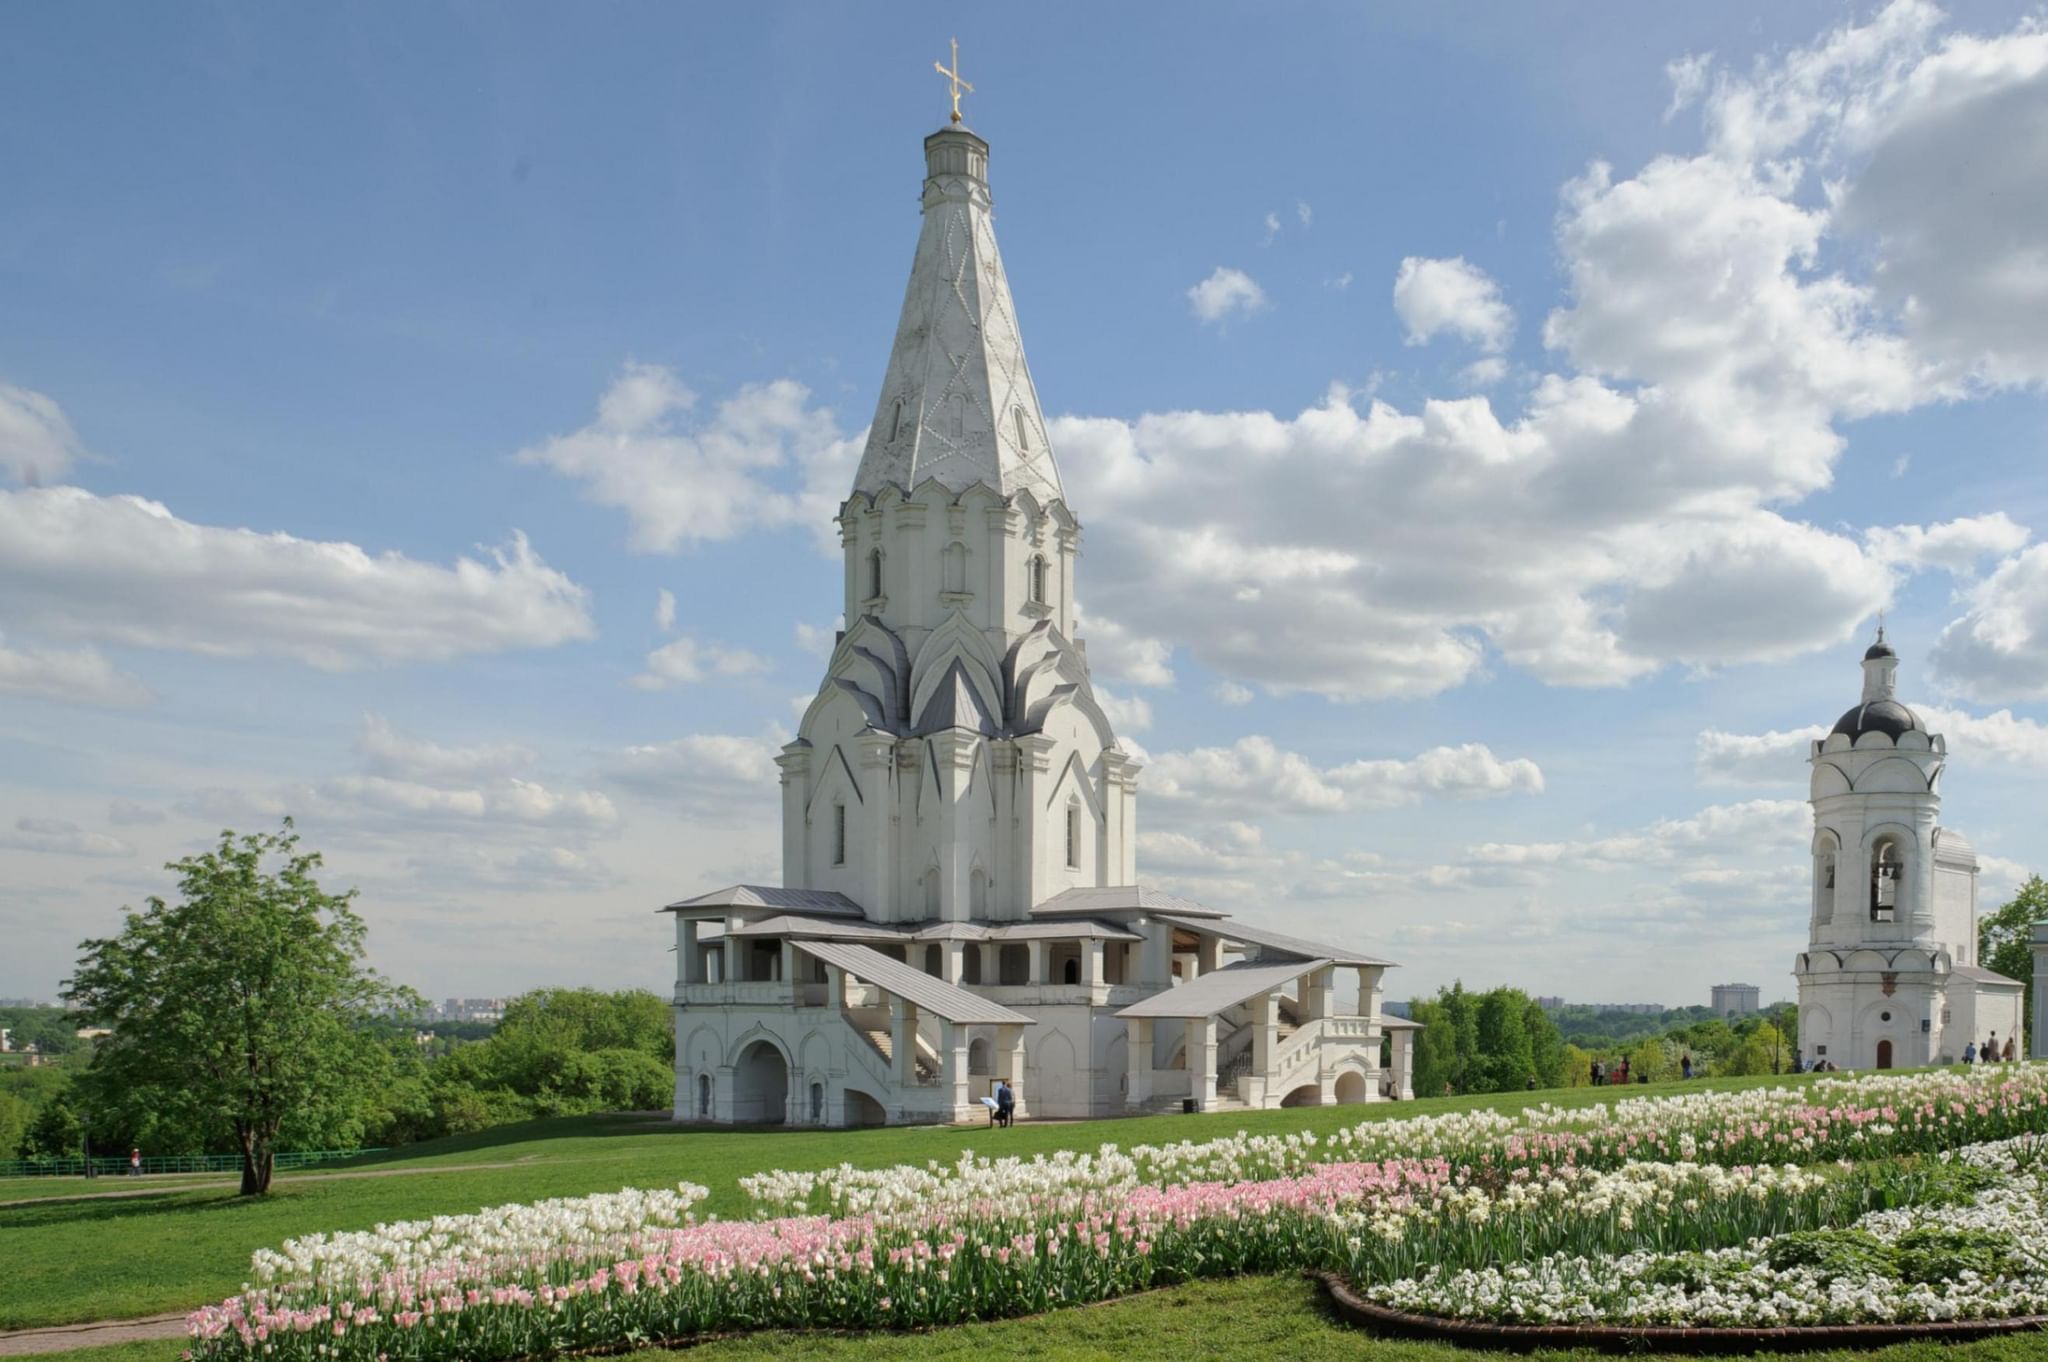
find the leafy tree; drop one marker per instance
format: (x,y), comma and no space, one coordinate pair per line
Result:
(1763,1051)
(1504,1062)
(1546,1045)
(1436,1049)
(2004,937)
(1578,1067)
(240,1010)
(1650,1061)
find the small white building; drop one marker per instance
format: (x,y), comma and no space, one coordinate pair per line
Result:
(1890,978)
(959,822)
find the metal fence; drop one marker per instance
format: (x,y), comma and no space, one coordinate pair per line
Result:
(115,1165)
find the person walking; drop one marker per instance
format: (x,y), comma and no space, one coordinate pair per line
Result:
(134,1163)
(1599,1074)
(2011,1051)
(1970,1053)
(1006,1104)
(1989,1053)
(1623,1071)
(1685,1065)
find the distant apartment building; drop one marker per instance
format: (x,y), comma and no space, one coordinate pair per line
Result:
(1737,1000)
(468,1010)
(1550,1002)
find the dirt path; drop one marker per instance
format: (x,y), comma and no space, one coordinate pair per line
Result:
(163,1188)
(65,1337)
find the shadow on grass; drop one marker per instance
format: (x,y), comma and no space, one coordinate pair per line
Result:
(59,1211)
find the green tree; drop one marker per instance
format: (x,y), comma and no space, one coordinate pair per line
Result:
(1578,1067)
(1504,1062)
(240,1010)
(1763,1051)
(1546,1045)
(2004,937)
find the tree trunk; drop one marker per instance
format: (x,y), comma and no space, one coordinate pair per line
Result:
(258,1161)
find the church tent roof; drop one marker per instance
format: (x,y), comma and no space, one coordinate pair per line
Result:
(929,994)
(1218,990)
(1233,930)
(820,902)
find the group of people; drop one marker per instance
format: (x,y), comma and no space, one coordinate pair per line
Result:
(1002,1104)
(1618,1072)
(1992,1052)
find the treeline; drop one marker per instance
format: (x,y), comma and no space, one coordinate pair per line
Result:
(558,1052)
(1498,1041)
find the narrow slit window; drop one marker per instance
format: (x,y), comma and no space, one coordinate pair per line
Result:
(874,573)
(1073,837)
(1023,434)
(1038,580)
(896,422)
(839,834)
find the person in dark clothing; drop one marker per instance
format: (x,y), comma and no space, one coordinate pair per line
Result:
(1006,1103)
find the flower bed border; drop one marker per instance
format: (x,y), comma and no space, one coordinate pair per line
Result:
(1355,1310)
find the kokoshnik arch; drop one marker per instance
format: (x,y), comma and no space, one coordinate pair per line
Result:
(959,898)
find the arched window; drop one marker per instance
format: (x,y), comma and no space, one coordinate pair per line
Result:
(1023,433)
(874,574)
(1887,872)
(955,564)
(1824,878)
(704,1095)
(818,1089)
(935,960)
(1073,836)
(970,965)
(838,833)
(1071,972)
(1038,579)
(979,1057)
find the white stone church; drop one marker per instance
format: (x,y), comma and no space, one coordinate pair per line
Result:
(1890,977)
(959,897)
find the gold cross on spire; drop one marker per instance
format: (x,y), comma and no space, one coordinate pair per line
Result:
(953,77)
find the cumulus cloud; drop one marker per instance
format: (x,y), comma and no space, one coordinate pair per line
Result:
(1127,713)
(1122,655)
(1955,546)
(764,458)
(715,777)
(81,676)
(1230,693)
(1432,297)
(1758,826)
(1998,649)
(401,756)
(665,610)
(126,570)
(686,661)
(62,838)
(1773,758)
(1254,775)
(37,443)
(1225,294)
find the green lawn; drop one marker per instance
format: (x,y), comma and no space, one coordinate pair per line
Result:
(67,1261)
(1276,1317)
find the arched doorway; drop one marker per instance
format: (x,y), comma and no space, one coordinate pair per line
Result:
(1884,1054)
(760,1085)
(1307,1095)
(1350,1088)
(980,1058)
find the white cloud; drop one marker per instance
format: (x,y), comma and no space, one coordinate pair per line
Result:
(819,643)
(1435,296)
(1230,693)
(706,772)
(1483,373)
(81,676)
(1756,827)
(764,459)
(387,752)
(1120,655)
(1127,713)
(1304,214)
(665,610)
(1253,775)
(1339,282)
(1226,293)
(125,813)
(59,837)
(1688,77)
(1772,758)
(37,443)
(1955,546)
(686,661)
(126,570)
(1998,648)
(1997,736)
(1272,229)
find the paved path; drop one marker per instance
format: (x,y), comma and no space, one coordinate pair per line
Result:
(63,1338)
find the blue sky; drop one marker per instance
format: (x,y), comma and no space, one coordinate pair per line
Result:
(1472,531)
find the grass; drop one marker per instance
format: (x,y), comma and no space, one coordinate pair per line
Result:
(1279,1317)
(117,1258)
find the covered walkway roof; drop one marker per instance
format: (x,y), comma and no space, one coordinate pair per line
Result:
(930,994)
(1219,989)
(1233,930)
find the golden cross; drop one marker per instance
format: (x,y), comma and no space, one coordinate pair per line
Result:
(953,76)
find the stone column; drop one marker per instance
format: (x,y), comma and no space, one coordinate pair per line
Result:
(953,1063)
(1266,1033)
(1209,955)
(1010,1060)
(2040,949)
(1138,1058)
(789,965)
(991,963)
(1037,961)
(1368,989)
(689,964)
(903,1039)
(1404,1064)
(1202,1061)
(952,961)
(721,1094)
(1091,962)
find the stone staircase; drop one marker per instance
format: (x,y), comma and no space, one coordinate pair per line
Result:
(926,1063)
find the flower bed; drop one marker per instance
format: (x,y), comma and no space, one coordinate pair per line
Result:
(982,1239)
(1984,1258)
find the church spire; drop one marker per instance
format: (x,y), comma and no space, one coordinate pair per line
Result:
(956,402)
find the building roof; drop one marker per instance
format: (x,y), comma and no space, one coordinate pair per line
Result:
(1233,929)
(1888,717)
(827,928)
(1981,977)
(929,994)
(837,929)
(1217,990)
(1121,898)
(957,404)
(811,902)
